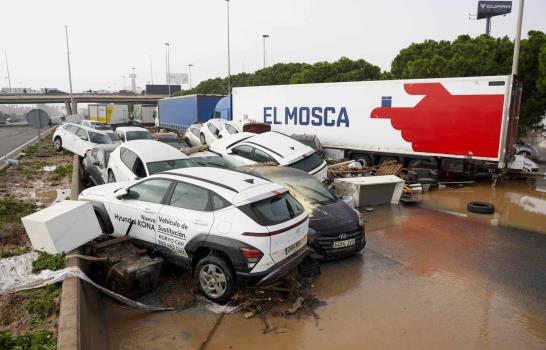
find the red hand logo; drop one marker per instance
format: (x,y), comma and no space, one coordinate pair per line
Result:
(446,123)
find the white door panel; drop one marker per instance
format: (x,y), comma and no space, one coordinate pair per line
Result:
(143,215)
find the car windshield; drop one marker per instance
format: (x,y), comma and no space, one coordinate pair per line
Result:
(306,186)
(138,135)
(165,165)
(113,136)
(213,161)
(308,163)
(97,138)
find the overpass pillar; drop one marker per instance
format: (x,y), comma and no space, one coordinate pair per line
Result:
(74,107)
(67,107)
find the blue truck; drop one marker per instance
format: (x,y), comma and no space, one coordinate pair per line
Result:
(178,113)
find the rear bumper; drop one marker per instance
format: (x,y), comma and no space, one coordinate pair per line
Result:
(276,271)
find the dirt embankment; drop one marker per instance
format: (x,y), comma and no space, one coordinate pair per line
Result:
(41,178)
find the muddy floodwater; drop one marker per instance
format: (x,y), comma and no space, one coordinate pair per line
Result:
(426,280)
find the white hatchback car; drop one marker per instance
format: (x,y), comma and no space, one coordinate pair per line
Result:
(130,133)
(77,138)
(96,125)
(137,159)
(246,148)
(228,227)
(215,129)
(192,135)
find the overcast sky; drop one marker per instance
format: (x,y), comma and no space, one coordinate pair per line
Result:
(107,38)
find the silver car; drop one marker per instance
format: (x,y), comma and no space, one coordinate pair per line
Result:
(95,163)
(526,150)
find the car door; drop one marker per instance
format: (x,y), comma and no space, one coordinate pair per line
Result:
(140,207)
(68,136)
(186,214)
(124,170)
(241,155)
(95,171)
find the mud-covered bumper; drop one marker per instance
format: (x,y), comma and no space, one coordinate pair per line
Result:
(275,271)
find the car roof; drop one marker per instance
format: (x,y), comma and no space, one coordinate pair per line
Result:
(153,151)
(85,127)
(274,171)
(130,128)
(279,144)
(235,186)
(217,121)
(231,140)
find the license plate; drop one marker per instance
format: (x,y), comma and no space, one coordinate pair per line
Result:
(345,243)
(290,248)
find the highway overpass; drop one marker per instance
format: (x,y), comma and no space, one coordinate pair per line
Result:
(79,98)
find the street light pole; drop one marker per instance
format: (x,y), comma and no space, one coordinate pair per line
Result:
(264,36)
(168,68)
(189,72)
(515,60)
(151,71)
(69,71)
(228,55)
(7,69)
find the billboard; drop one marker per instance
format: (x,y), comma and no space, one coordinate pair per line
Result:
(493,8)
(178,78)
(160,89)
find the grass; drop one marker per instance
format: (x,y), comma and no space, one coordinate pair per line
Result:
(47,261)
(42,302)
(13,209)
(61,171)
(37,340)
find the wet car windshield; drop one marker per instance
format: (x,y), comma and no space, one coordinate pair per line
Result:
(165,165)
(100,126)
(308,187)
(100,139)
(138,135)
(113,136)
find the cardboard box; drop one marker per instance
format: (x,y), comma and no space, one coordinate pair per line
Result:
(62,227)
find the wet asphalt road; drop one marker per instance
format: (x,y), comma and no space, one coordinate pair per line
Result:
(426,280)
(12,137)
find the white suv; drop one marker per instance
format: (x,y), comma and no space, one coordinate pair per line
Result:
(77,138)
(247,148)
(133,160)
(228,227)
(215,129)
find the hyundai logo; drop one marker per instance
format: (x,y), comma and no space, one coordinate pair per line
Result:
(343,236)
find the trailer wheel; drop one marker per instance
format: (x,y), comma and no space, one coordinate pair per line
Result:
(363,159)
(480,207)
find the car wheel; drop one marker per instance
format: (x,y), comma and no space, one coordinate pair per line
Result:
(58,144)
(363,159)
(480,207)
(215,278)
(111,177)
(202,139)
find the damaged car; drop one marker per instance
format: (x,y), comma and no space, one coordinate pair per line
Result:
(227,227)
(95,163)
(336,230)
(270,147)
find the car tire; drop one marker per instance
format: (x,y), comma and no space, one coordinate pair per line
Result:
(202,139)
(111,177)
(363,159)
(480,207)
(215,279)
(58,144)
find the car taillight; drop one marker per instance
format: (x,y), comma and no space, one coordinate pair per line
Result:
(252,256)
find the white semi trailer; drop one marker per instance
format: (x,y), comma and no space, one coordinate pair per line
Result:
(459,125)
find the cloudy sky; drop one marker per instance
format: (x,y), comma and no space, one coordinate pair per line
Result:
(107,38)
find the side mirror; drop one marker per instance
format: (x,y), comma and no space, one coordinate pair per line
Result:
(121,193)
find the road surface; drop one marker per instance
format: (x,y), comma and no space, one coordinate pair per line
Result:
(12,137)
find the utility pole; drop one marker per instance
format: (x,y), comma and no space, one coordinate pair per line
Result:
(264,36)
(515,60)
(72,104)
(228,55)
(151,71)
(189,73)
(7,69)
(167,65)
